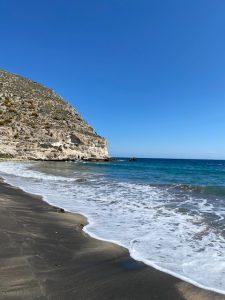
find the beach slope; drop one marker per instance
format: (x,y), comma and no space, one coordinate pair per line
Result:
(44,254)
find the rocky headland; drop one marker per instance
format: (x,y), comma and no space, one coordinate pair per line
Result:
(37,124)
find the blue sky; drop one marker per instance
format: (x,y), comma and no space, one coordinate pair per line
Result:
(148,75)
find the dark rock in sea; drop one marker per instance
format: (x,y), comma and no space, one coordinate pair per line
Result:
(133,158)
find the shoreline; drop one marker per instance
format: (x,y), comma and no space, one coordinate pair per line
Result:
(108,268)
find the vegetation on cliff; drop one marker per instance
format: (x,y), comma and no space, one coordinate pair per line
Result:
(36,123)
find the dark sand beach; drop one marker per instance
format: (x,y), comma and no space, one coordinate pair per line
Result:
(44,254)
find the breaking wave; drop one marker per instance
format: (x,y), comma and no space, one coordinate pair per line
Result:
(176,228)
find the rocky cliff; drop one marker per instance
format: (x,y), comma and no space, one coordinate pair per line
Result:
(36,123)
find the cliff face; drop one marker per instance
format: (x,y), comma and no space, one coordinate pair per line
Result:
(36,123)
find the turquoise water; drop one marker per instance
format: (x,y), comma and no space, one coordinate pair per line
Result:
(167,213)
(164,171)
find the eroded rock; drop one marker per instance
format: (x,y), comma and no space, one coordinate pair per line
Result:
(36,123)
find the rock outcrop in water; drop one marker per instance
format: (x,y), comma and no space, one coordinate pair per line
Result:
(37,124)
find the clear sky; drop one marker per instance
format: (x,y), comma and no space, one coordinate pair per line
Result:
(148,75)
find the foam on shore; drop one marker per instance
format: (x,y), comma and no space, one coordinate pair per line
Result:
(149,221)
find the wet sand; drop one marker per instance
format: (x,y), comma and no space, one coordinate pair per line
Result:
(44,254)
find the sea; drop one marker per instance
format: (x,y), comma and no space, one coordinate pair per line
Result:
(169,213)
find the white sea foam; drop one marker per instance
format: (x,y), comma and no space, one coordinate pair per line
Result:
(144,219)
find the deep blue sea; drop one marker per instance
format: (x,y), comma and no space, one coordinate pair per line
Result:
(168,213)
